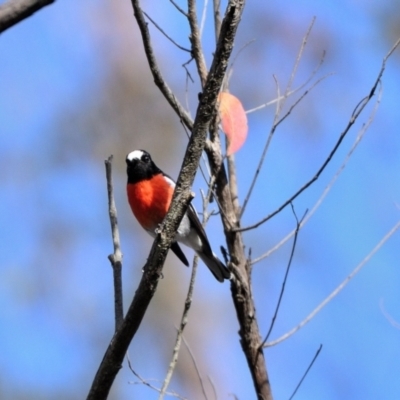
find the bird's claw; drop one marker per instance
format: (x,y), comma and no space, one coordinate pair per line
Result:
(159,229)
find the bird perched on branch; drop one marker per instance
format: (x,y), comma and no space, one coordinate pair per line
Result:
(150,194)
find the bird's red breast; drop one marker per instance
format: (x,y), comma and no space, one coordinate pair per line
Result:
(150,200)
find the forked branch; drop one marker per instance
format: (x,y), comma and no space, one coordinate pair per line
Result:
(328,187)
(356,113)
(118,346)
(356,270)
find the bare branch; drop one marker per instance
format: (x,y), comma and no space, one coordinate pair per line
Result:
(165,34)
(188,303)
(116,257)
(118,346)
(291,92)
(213,387)
(203,18)
(357,141)
(217,18)
(279,106)
(241,289)
(179,8)
(195,40)
(244,47)
(299,57)
(391,51)
(14,11)
(298,224)
(392,321)
(157,76)
(178,340)
(356,113)
(305,374)
(203,389)
(148,384)
(337,290)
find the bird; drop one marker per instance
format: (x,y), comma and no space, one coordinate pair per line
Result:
(150,192)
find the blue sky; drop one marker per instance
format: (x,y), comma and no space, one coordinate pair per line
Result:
(56,313)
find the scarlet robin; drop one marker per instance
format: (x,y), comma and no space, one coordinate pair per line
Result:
(149,194)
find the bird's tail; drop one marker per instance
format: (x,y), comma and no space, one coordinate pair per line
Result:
(216,266)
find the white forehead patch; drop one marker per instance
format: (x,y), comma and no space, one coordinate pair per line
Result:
(136,154)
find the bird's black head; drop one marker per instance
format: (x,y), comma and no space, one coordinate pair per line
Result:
(140,166)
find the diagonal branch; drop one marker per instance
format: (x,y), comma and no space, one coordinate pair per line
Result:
(147,383)
(118,346)
(275,125)
(15,11)
(164,33)
(280,102)
(298,225)
(155,70)
(307,371)
(356,113)
(337,290)
(295,90)
(201,380)
(385,313)
(179,336)
(188,303)
(328,187)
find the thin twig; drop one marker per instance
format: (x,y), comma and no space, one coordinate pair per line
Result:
(217,18)
(188,76)
(329,186)
(298,224)
(244,47)
(281,103)
(115,353)
(178,340)
(203,389)
(293,106)
(164,33)
(155,70)
(203,18)
(14,11)
(264,153)
(241,288)
(299,57)
(337,290)
(392,321)
(188,303)
(178,8)
(356,113)
(297,89)
(279,106)
(195,40)
(213,387)
(149,385)
(116,257)
(233,185)
(305,373)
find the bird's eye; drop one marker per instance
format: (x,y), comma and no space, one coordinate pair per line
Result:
(145,158)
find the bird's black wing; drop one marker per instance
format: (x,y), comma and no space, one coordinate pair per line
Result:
(179,253)
(215,265)
(195,222)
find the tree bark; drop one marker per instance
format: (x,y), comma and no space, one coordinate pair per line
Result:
(15,11)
